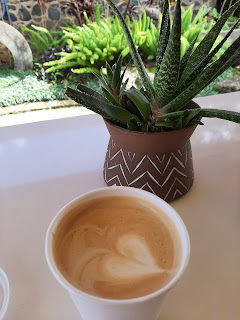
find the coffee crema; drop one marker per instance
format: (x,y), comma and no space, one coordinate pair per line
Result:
(117,247)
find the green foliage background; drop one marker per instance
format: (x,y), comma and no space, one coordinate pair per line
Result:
(92,44)
(19,87)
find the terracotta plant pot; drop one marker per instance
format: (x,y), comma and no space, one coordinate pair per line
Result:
(159,162)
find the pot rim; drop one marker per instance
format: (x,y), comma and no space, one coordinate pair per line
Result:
(150,133)
(150,143)
(195,106)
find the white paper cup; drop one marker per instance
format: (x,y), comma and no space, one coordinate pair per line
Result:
(4,287)
(94,308)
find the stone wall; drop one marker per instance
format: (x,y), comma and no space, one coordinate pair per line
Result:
(25,12)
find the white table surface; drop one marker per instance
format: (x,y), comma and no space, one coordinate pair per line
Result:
(44,165)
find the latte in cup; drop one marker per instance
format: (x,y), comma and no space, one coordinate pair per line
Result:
(117,247)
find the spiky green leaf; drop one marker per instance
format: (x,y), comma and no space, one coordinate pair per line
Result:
(131,107)
(109,74)
(108,94)
(134,53)
(103,107)
(200,67)
(133,125)
(85,89)
(163,38)
(123,87)
(103,79)
(166,123)
(167,76)
(186,56)
(117,73)
(140,101)
(221,114)
(191,116)
(179,119)
(207,43)
(207,76)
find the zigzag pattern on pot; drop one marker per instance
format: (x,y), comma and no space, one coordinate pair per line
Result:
(166,175)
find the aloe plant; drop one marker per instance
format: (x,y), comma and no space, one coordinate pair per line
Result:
(159,106)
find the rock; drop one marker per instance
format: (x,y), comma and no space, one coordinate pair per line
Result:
(235,34)
(212,3)
(53,13)
(23,14)
(12,7)
(13,17)
(36,11)
(153,13)
(134,79)
(228,85)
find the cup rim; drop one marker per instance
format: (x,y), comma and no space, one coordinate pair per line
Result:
(107,191)
(4,284)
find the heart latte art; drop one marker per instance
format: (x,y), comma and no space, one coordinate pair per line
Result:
(117,247)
